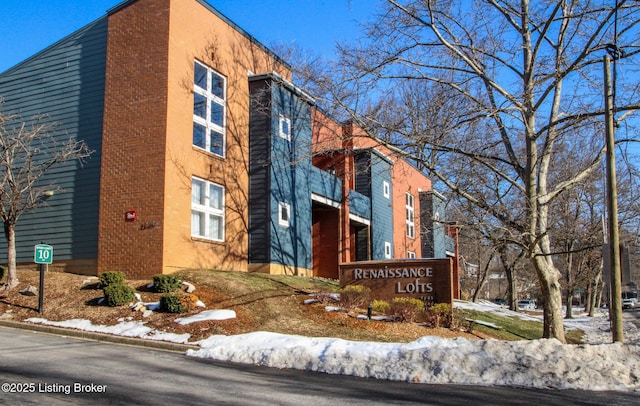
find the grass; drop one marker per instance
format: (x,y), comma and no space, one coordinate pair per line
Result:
(512,328)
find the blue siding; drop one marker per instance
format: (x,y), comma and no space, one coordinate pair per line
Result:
(381,208)
(65,82)
(281,172)
(440,242)
(359,204)
(325,184)
(291,169)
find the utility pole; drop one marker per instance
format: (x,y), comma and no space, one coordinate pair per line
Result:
(615,304)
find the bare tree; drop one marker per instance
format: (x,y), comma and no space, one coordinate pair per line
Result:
(28,150)
(524,81)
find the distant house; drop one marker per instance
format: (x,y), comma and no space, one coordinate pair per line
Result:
(207,156)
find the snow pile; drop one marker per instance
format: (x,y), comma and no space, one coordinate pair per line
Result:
(598,365)
(538,363)
(135,329)
(207,315)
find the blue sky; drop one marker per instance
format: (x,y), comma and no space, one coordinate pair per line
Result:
(28,26)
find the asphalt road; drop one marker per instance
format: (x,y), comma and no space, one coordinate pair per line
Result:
(45,369)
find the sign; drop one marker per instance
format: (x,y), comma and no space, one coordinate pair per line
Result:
(430,280)
(43,254)
(130,216)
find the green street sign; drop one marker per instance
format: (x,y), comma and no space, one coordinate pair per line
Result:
(43,254)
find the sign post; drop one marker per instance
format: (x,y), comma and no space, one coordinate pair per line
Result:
(43,255)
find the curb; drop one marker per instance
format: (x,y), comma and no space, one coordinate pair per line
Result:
(89,335)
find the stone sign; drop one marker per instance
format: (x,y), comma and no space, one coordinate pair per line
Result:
(430,280)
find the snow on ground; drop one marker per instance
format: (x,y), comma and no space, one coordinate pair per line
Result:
(599,365)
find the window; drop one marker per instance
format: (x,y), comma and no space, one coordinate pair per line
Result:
(209,109)
(387,250)
(207,210)
(409,208)
(283,214)
(411,254)
(386,190)
(284,127)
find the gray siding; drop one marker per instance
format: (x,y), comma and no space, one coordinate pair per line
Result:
(65,82)
(362,163)
(435,242)
(259,172)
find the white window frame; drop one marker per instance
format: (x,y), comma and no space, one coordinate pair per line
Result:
(284,208)
(410,215)
(205,210)
(207,122)
(282,119)
(387,250)
(386,189)
(411,255)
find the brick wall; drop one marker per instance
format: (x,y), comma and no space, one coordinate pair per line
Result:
(134,138)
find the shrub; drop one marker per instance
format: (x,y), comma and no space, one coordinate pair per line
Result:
(3,272)
(325,299)
(111,278)
(189,302)
(380,306)
(171,303)
(118,294)
(354,296)
(406,308)
(440,314)
(166,283)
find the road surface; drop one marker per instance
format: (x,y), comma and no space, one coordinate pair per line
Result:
(39,369)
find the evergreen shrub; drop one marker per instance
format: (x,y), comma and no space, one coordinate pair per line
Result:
(111,278)
(171,303)
(166,283)
(118,294)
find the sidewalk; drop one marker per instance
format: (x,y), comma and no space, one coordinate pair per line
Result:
(87,335)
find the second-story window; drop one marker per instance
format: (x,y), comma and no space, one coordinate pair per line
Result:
(284,127)
(386,189)
(209,109)
(411,226)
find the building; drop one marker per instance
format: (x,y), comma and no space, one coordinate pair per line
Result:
(207,156)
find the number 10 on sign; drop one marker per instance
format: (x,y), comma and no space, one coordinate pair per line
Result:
(43,254)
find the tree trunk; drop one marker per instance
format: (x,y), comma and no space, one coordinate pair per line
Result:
(569,313)
(479,287)
(595,296)
(482,282)
(589,298)
(549,278)
(570,280)
(511,290)
(12,276)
